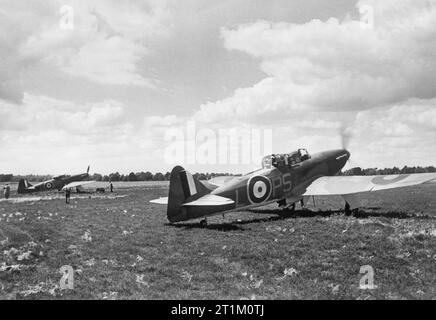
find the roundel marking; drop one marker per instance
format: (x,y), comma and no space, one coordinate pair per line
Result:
(49,185)
(385,181)
(258,189)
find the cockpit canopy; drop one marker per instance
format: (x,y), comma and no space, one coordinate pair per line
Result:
(285,160)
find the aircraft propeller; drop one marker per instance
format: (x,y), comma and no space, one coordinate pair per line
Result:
(346,136)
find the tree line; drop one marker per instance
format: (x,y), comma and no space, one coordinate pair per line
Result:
(158,176)
(148,176)
(116,176)
(358,171)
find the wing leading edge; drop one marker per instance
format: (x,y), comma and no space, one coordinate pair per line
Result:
(343,185)
(76,184)
(207,200)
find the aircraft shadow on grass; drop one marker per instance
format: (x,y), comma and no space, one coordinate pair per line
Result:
(280,215)
(368,212)
(226,226)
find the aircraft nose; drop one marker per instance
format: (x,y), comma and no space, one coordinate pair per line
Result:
(347,153)
(337,160)
(342,155)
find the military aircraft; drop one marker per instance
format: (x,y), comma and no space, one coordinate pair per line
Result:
(283,178)
(57,183)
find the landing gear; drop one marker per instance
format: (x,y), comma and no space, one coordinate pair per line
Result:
(303,206)
(203,223)
(282,203)
(287,211)
(290,208)
(285,207)
(349,211)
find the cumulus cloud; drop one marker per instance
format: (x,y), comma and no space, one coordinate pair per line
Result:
(48,135)
(319,76)
(377,81)
(101,41)
(40,114)
(335,65)
(106,41)
(43,133)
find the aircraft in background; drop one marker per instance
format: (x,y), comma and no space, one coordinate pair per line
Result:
(284,178)
(59,183)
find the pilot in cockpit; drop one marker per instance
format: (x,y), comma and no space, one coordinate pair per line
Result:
(304,154)
(282,161)
(298,156)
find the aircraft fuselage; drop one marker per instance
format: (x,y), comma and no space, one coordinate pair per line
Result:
(268,185)
(53,184)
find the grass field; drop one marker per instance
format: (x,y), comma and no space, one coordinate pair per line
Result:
(121,247)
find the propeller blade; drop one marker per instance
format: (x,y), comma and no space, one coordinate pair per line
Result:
(346,136)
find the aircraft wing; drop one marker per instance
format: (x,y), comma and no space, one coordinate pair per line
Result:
(76,184)
(343,185)
(210,200)
(163,200)
(206,200)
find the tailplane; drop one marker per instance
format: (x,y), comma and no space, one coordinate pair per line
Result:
(188,198)
(183,188)
(22,186)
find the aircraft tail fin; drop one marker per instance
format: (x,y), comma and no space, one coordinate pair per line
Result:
(183,188)
(23,185)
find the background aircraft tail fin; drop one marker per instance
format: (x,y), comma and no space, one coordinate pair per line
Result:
(23,185)
(87,170)
(183,188)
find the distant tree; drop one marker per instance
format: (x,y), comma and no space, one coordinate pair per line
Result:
(6,177)
(395,170)
(420,170)
(158,177)
(115,176)
(406,169)
(97,177)
(140,176)
(201,176)
(132,177)
(148,176)
(354,172)
(369,172)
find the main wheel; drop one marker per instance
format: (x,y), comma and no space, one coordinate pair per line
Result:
(282,203)
(288,211)
(203,223)
(347,209)
(291,208)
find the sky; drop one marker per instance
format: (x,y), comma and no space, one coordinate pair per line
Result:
(136,85)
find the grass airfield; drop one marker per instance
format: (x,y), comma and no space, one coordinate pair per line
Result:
(121,247)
